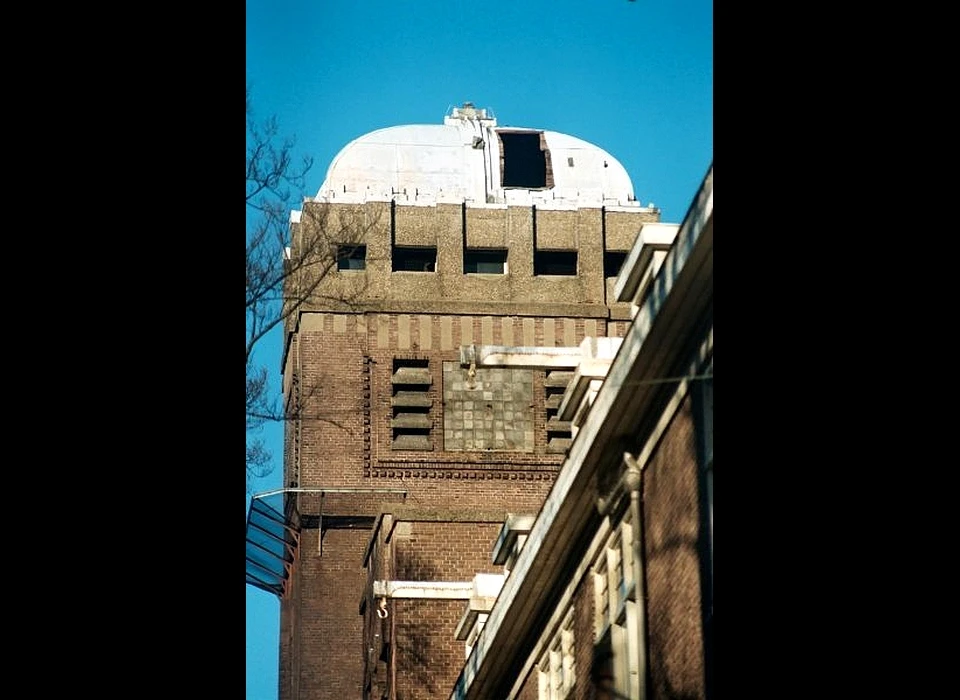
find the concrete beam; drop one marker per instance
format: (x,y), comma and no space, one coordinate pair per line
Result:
(431,590)
(526,357)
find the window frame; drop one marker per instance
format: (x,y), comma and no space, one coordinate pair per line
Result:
(557,667)
(616,609)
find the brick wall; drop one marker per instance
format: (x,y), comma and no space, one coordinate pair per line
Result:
(672,533)
(330,628)
(428,656)
(289,673)
(530,690)
(423,656)
(344,364)
(583,638)
(445,551)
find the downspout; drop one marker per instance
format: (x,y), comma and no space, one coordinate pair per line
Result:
(633,481)
(392,570)
(393,657)
(299,652)
(299,384)
(299,437)
(299,423)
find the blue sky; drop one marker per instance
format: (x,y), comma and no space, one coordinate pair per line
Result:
(635,78)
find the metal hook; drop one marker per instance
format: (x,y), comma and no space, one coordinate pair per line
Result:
(382,612)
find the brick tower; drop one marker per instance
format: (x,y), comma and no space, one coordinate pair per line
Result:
(428,238)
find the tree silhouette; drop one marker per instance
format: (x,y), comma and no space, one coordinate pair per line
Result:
(283,275)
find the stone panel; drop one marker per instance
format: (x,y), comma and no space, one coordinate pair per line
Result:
(491,411)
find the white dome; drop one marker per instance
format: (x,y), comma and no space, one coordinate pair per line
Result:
(469,158)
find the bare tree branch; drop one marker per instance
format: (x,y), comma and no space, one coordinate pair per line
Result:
(288,266)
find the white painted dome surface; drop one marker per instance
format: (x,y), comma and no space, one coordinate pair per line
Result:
(459,161)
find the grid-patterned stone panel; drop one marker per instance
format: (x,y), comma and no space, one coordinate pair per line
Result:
(490,410)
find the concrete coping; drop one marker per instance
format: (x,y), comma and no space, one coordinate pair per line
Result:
(486,588)
(588,372)
(513,527)
(652,237)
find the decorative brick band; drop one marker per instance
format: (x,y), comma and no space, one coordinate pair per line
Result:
(365,387)
(482,461)
(465,474)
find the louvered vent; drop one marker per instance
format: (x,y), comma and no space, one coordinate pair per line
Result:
(411,422)
(559,436)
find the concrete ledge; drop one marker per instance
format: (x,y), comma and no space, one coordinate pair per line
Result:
(558,379)
(412,375)
(431,590)
(466,308)
(519,356)
(412,442)
(411,399)
(554,401)
(412,420)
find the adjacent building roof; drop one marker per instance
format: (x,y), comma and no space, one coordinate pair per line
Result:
(671,310)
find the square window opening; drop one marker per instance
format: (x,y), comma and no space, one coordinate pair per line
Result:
(351,257)
(414,259)
(613,262)
(485,261)
(555,262)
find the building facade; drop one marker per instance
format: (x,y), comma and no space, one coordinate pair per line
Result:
(404,458)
